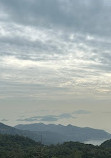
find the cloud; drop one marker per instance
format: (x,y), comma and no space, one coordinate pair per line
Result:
(4,120)
(80,112)
(48,118)
(55,118)
(86,17)
(55,54)
(55,50)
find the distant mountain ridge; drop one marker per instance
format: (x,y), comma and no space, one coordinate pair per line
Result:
(47,137)
(68,133)
(5,129)
(53,134)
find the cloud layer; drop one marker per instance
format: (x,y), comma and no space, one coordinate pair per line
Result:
(48,118)
(54,51)
(55,118)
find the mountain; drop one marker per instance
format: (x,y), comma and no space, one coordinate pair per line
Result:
(53,134)
(68,133)
(44,136)
(106,144)
(5,129)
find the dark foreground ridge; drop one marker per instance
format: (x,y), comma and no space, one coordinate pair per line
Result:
(22,147)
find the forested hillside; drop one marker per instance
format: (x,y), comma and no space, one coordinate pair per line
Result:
(16,146)
(106,144)
(22,147)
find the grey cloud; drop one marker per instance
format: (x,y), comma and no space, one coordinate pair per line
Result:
(68,60)
(45,51)
(85,17)
(28,50)
(4,120)
(66,115)
(27,119)
(80,112)
(79,13)
(48,118)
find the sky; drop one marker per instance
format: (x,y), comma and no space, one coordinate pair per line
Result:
(55,62)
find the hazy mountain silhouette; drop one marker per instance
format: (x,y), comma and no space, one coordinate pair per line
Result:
(53,134)
(44,136)
(66,133)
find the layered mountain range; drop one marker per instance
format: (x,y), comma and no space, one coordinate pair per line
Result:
(53,134)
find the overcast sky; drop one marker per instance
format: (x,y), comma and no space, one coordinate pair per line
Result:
(55,62)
